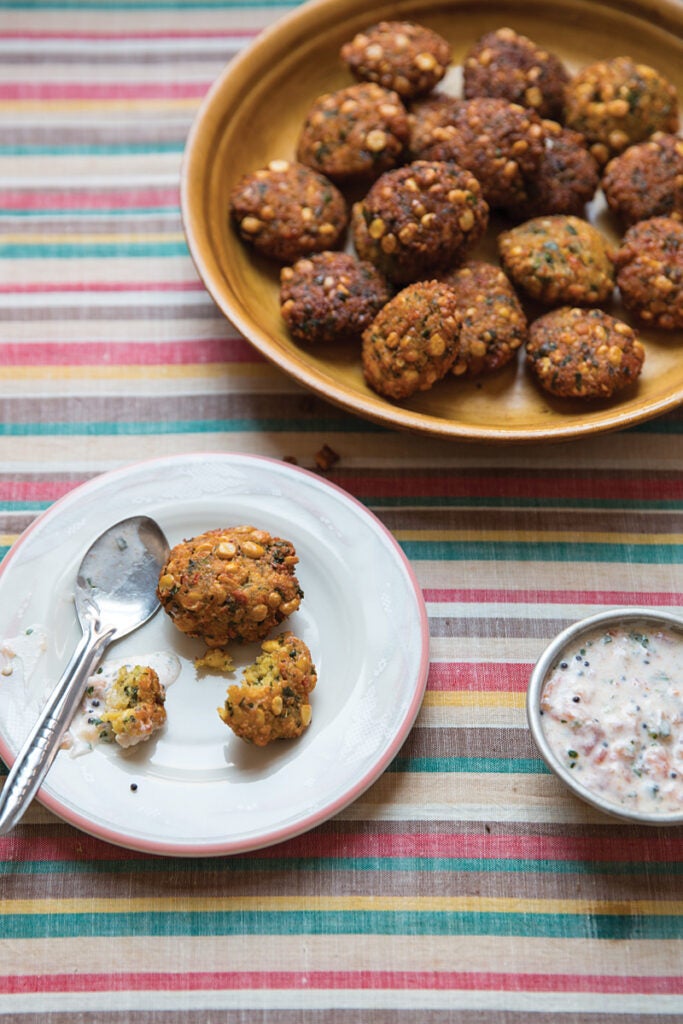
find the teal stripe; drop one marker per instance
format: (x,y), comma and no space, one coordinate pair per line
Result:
(175,427)
(233,865)
(445,501)
(543,551)
(247,922)
(90,149)
(50,211)
(24,506)
(488,765)
(20,251)
(4,548)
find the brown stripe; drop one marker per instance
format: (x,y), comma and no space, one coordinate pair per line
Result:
(24,309)
(208,882)
(496,627)
(444,742)
(75,409)
(511,520)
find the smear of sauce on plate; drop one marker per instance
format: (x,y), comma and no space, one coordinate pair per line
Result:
(613,714)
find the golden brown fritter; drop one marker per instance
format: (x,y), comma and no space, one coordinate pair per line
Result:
(426,115)
(331,295)
(134,706)
(273,701)
(286,211)
(650,271)
(493,322)
(512,67)
(231,584)
(583,353)
(567,178)
(354,134)
(412,341)
(558,261)
(646,180)
(399,55)
(500,143)
(418,219)
(616,103)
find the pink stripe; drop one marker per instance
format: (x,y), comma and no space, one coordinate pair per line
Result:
(555,596)
(69,199)
(232,34)
(100,91)
(478,676)
(340,980)
(136,353)
(59,845)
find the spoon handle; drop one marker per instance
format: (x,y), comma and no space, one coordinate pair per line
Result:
(39,750)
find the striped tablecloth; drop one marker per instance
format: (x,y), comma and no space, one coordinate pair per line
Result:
(466,884)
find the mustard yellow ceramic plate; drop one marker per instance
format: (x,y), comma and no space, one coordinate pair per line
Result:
(253,114)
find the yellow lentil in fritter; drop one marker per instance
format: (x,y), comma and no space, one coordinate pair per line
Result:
(286,211)
(650,272)
(354,134)
(400,55)
(510,66)
(418,219)
(493,324)
(229,584)
(558,261)
(616,103)
(412,342)
(583,353)
(273,700)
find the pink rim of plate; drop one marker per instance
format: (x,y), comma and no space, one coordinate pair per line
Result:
(324,813)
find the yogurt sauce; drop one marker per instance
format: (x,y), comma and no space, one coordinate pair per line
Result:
(85,731)
(612,712)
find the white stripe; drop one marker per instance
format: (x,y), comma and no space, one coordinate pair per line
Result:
(94,74)
(419,1000)
(92,172)
(92,300)
(488,610)
(89,48)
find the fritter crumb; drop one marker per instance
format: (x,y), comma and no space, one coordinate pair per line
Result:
(215,659)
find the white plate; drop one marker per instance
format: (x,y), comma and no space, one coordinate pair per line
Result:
(201,790)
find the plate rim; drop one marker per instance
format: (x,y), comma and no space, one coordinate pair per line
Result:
(669,15)
(117,837)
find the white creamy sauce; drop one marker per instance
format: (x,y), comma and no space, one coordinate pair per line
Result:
(613,714)
(86,729)
(20,657)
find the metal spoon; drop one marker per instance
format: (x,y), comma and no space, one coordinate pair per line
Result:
(115,593)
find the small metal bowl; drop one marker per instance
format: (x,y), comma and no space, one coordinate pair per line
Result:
(548,660)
